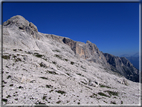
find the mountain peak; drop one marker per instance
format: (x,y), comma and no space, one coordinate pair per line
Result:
(22,24)
(88,41)
(16,20)
(18,17)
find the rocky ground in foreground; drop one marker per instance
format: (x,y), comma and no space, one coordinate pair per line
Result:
(44,71)
(31,77)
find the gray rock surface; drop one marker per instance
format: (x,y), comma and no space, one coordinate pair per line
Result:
(90,52)
(52,70)
(123,67)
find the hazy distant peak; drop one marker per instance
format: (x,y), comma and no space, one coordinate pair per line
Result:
(136,54)
(130,55)
(125,55)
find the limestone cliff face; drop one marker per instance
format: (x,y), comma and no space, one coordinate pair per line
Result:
(88,51)
(96,55)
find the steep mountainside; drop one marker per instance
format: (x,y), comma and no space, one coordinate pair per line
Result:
(134,61)
(90,52)
(123,67)
(49,69)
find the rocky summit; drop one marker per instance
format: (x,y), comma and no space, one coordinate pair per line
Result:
(52,70)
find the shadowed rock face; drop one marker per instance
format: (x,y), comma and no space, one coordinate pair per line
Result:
(123,67)
(88,51)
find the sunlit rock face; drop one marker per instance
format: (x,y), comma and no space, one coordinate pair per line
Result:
(52,70)
(90,52)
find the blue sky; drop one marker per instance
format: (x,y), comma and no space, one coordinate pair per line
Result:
(113,27)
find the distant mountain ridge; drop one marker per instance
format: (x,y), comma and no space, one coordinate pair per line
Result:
(130,55)
(88,51)
(136,54)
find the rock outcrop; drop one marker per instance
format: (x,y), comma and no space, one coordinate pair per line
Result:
(88,51)
(19,22)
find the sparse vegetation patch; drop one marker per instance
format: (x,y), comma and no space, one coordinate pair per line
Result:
(82,67)
(84,83)
(94,95)
(80,74)
(43,65)
(8,76)
(112,102)
(8,96)
(44,97)
(16,98)
(4,100)
(72,62)
(66,59)
(52,72)
(61,92)
(49,86)
(56,50)
(68,74)
(103,86)
(17,59)
(11,85)
(38,55)
(103,94)
(20,87)
(112,93)
(44,78)
(39,104)
(58,56)
(58,102)
(54,62)
(6,56)
(20,49)
(14,49)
